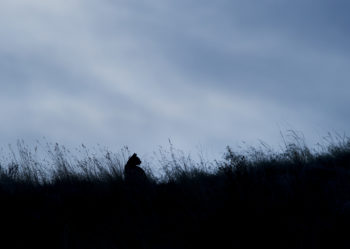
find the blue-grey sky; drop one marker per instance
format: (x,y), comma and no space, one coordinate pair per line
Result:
(203,73)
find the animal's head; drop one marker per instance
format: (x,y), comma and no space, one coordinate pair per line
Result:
(134,160)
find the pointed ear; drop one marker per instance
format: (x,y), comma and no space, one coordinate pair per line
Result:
(134,154)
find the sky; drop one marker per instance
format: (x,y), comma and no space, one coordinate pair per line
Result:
(204,74)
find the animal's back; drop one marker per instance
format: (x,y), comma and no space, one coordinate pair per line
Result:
(134,173)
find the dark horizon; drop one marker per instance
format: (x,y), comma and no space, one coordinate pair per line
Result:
(297,199)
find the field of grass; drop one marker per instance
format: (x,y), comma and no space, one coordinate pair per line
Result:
(294,198)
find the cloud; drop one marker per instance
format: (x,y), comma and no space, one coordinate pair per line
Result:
(138,73)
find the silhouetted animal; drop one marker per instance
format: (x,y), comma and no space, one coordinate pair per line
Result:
(132,172)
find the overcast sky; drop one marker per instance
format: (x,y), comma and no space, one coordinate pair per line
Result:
(203,73)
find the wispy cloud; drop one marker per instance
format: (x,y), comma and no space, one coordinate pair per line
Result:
(139,72)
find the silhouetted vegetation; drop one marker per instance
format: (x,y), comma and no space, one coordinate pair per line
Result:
(294,198)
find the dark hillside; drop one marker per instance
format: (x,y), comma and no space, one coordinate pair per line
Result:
(293,199)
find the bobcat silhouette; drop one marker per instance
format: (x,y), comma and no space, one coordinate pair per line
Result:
(133,173)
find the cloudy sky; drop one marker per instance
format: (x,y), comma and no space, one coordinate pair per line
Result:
(202,73)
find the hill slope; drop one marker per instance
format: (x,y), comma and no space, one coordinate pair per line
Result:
(292,199)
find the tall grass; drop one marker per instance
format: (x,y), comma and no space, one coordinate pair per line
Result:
(294,197)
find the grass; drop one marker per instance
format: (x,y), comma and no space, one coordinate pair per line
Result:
(293,198)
